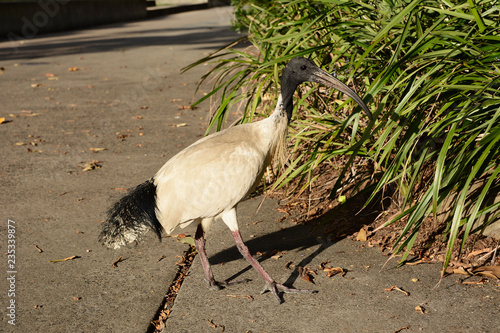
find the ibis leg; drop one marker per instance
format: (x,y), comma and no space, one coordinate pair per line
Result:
(271,285)
(199,241)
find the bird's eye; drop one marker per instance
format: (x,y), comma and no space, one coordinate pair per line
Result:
(303,67)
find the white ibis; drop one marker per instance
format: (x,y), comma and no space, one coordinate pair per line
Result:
(209,178)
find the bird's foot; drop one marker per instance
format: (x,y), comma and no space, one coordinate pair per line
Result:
(277,288)
(218,285)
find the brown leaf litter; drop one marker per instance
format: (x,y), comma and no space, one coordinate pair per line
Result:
(184,265)
(397,289)
(65,259)
(92,165)
(115,264)
(313,206)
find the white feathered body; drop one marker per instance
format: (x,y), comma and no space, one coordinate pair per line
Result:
(214,174)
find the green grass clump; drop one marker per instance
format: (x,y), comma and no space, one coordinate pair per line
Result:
(430,72)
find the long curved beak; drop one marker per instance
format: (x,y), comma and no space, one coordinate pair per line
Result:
(328,80)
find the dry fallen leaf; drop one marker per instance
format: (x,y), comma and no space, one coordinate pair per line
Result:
(482,281)
(421,261)
(244,296)
(181,125)
(187,240)
(305,274)
(332,271)
(97,149)
(34,150)
(2,120)
(460,270)
(158,324)
(276,256)
(215,325)
(398,289)
(115,264)
(65,259)
(270,254)
(478,252)
(73,69)
(488,271)
(420,309)
(323,264)
(361,235)
(29,113)
(91,166)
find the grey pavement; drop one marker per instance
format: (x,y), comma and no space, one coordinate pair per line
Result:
(114,97)
(357,302)
(126,95)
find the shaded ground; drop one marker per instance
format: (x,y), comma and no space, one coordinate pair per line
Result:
(314,207)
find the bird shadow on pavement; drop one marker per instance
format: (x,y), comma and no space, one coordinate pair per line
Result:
(320,232)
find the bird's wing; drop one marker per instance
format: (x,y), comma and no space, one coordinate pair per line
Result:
(209,177)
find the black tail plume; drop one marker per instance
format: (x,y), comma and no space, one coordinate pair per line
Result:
(131,216)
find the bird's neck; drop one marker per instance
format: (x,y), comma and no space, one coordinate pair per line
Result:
(288,87)
(279,111)
(276,126)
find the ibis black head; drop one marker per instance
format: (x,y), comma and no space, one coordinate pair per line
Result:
(300,70)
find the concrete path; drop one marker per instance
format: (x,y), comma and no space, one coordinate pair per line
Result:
(358,302)
(112,99)
(65,97)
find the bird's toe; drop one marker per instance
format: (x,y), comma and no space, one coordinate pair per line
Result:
(276,289)
(218,285)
